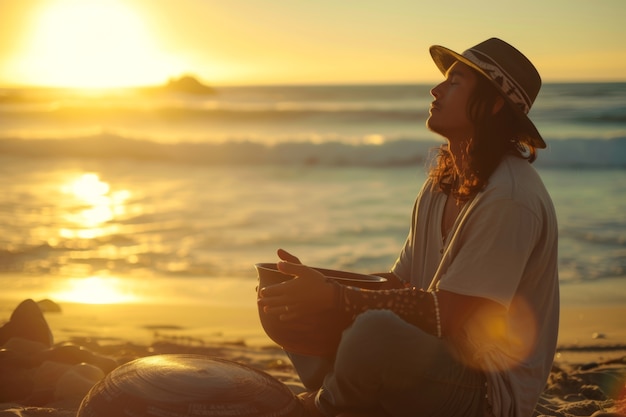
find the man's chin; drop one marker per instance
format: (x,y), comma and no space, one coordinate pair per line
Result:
(432,126)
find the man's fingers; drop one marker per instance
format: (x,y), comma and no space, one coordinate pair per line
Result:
(277,291)
(285,312)
(291,268)
(286,256)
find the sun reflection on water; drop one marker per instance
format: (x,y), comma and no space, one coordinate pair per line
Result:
(99,206)
(92,209)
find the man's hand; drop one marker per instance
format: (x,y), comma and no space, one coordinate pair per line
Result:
(307,293)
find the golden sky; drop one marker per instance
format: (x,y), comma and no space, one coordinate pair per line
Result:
(109,43)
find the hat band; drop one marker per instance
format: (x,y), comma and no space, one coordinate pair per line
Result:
(506,83)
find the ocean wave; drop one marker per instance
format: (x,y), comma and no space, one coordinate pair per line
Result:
(584,90)
(608,235)
(350,113)
(566,153)
(584,153)
(618,116)
(206,114)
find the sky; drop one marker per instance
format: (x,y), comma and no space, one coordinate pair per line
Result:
(119,43)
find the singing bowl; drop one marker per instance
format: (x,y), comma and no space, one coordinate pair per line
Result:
(187,385)
(316,334)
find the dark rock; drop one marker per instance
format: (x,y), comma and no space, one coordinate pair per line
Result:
(11,359)
(27,322)
(48,306)
(73,354)
(15,385)
(67,353)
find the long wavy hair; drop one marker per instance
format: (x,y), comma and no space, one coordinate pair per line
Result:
(495,135)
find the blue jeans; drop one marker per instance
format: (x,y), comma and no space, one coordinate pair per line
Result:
(387,366)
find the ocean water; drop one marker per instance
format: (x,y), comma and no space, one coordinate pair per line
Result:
(117,192)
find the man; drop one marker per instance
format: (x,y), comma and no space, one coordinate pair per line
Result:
(469,327)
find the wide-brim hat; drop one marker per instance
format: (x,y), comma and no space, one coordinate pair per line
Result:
(508,70)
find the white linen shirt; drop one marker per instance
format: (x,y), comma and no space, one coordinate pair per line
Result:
(503,247)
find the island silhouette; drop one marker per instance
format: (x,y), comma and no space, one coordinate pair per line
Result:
(187,84)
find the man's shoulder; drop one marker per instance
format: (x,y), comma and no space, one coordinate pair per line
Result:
(515,178)
(515,171)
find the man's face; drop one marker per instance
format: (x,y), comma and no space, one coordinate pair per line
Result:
(448,112)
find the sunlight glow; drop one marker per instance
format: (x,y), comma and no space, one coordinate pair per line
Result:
(374,139)
(95,44)
(89,186)
(98,206)
(513,331)
(95,290)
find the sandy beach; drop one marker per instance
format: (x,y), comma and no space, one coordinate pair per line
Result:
(589,373)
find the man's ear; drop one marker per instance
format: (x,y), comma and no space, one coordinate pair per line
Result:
(497,106)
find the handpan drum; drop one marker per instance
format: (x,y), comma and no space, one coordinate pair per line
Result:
(188,385)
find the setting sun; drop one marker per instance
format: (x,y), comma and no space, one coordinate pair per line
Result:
(95,290)
(95,44)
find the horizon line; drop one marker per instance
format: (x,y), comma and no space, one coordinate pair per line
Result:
(288,84)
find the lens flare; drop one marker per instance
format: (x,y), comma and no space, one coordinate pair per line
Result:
(509,333)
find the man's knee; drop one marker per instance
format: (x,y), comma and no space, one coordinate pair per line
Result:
(371,333)
(372,323)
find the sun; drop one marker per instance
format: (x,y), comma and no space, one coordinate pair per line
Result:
(96,290)
(93,44)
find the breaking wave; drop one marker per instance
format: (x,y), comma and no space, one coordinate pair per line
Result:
(583,153)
